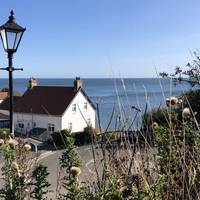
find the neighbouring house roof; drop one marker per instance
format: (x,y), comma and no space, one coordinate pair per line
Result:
(49,100)
(5,105)
(4,117)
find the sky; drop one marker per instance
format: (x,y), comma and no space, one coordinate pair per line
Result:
(102,38)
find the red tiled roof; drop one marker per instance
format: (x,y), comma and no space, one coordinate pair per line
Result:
(51,100)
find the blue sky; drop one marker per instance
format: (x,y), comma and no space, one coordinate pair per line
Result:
(102,38)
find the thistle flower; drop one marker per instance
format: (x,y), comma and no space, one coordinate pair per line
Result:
(27,147)
(180,101)
(155,125)
(12,143)
(15,166)
(75,171)
(186,112)
(4,132)
(1,142)
(167,101)
(171,101)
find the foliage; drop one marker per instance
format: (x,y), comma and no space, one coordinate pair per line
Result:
(59,138)
(192,98)
(68,161)
(179,153)
(40,183)
(190,75)
(5,89)
(13,171)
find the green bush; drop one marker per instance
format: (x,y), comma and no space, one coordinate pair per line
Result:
(193,98)
(59,138)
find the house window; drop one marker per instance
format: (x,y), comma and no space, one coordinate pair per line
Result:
(70,126)
(85,106)
(20,125)
(51,127)
(34,124)
(74,107)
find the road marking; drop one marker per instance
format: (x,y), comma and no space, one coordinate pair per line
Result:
(88,163)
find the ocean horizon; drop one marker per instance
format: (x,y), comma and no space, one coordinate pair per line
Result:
(120,94)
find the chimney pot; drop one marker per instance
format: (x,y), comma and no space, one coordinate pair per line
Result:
(32,83)
(78,83)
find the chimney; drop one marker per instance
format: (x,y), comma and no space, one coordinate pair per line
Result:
(32,82)
(78,83)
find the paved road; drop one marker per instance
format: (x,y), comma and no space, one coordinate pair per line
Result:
(52,162)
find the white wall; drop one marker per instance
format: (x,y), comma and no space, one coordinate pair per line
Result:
(41,121)
(77,118)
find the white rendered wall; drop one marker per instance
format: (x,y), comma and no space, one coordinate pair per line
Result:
(41,121)
(78,118)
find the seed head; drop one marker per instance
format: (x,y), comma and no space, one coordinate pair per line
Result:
(75,171)
(186,112)
(12,143)
(1,142)
(27,147)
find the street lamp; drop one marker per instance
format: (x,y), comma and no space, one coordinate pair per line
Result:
(11,34)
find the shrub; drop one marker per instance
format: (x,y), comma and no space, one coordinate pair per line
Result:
(70,162)
(59,138)
(192,98)
(40,183)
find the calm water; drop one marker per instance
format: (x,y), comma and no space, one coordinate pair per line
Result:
(123,93)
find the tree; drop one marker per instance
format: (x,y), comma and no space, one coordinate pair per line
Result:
(190,75)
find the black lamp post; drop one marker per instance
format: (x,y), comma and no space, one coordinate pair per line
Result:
(11,34)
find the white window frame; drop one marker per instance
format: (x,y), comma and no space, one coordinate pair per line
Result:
(21,125)
(51,127)
(74,107)
(70,125)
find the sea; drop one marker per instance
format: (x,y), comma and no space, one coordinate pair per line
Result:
(118,101)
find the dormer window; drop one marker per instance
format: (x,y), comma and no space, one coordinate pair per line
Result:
(74,107)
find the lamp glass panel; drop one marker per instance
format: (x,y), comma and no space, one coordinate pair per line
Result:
(17,39)
(11,36)
(4,40)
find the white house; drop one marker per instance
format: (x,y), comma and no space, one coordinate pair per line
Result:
(46,109)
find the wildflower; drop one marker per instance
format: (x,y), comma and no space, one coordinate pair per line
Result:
(27,147)
(167,101)
(75,171)
(180,101)
(1,142)
(155,125)
(15,166)
(4,133)
(173,101)
(186,112)
(12,143)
